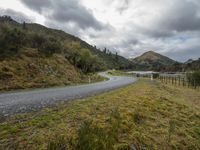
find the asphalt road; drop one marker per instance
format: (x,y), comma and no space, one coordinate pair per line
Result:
(32,100)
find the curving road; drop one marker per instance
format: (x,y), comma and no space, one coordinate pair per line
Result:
(26,101)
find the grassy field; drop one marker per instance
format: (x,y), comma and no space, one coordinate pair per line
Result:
(145,115)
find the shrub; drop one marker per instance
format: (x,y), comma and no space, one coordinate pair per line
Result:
(11,40)
(138,118)
(2,118)
(194,78)
(60,143)
(93,137)
(51,46)
(5,75)
(37,40)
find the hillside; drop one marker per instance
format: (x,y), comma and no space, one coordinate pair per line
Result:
(108,59)
(32,55)
(192,65)
(152,61)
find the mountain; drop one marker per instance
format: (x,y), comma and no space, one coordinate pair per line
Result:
(189,61)
(192,65)
(32,55)
(152,61)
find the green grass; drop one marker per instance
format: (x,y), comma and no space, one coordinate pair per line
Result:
(118,73)
(145,115)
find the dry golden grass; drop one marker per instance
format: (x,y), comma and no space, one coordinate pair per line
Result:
(30,69)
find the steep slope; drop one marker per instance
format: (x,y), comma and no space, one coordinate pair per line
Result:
(32,55)
(152,61)
(32,70)
(108,59)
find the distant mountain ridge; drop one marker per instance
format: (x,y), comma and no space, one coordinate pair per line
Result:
(152,61)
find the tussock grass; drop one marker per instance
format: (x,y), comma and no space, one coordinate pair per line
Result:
(145,115)
(31,69)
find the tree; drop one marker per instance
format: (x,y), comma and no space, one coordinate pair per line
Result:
(116,56)
(88,62)
(38,40)
(194,78)
(85,61)
(51,46)
(11,40)
(105,50)
(24,25)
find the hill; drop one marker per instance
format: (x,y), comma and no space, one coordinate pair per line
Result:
(152,61)
(191,65)
(32,55)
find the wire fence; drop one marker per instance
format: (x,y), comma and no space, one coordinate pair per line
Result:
(184,80)
(180,81)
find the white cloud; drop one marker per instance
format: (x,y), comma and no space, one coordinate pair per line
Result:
(130,27)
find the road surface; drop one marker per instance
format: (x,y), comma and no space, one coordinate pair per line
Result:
(32,100)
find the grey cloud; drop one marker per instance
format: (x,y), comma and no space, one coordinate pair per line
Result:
(184,54)
(124,6)
(18,16)
(176,18)
(64,11)
(154,32)
(71,29)
(38,5)
(181,16)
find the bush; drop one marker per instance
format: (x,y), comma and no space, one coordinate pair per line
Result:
(194,78)
(82,58)
(2,118)
(11,40)
(58,144)
(37,40)
(138,118)
(50,46)
(92,137)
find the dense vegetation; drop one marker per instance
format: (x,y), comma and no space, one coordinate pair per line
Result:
(146,115)
(194,79)
(15,36)
(32,55)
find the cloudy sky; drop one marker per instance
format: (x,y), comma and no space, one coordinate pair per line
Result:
(130,27)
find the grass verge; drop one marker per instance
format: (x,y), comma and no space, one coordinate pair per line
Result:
(145,115)
(118,73)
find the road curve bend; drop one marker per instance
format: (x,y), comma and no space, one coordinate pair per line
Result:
(32,100)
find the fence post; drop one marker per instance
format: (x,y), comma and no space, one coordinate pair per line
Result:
(175,80)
